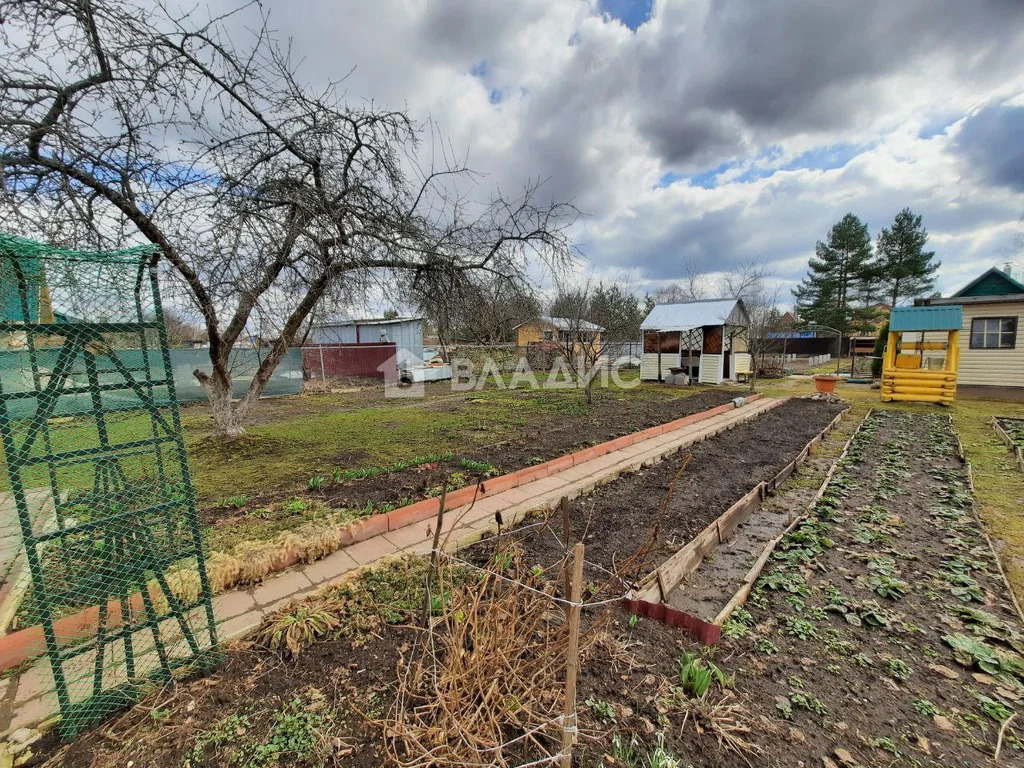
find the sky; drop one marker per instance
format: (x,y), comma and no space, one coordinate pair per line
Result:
(698,135)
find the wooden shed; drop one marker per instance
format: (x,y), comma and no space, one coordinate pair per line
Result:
(707,340)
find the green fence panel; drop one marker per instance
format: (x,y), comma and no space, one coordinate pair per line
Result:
(95,477)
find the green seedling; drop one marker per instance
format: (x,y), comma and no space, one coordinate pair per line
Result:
(602,710)
(801,628)
(696,675)
(887,586)
(925,707)
(802,700)
(899,669)
(994,709)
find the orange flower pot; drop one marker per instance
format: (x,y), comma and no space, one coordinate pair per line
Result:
(826,384)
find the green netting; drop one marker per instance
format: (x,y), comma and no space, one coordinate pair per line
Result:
(100,542)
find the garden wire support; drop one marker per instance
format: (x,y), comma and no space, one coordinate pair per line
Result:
(96,501)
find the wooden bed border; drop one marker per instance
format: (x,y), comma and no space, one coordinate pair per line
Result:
(1018,454)
(648,598)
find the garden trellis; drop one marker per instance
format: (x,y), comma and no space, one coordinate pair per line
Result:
(102,545)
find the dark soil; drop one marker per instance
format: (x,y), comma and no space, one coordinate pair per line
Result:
(618,519)
(887,695)
(706,592)
(354,679)
(914,507)
(556,437)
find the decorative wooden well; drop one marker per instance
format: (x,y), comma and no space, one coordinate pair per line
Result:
(922,354)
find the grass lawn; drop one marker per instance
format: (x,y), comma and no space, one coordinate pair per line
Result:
(296,437)
(999,485)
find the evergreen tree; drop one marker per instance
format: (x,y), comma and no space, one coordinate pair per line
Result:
(880,342)
(836,274)
(904,267)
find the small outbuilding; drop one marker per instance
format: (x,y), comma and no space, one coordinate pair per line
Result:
(992,311)
(922,354)
(706,340)
(406,333)
(545,328)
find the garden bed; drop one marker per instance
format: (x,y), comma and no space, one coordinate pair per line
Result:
(385,487)
(1011,431)
(617,521)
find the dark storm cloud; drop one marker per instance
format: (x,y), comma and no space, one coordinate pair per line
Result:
(804,65)
(992,141)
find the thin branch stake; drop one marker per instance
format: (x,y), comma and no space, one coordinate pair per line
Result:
(433,551)
(572,659)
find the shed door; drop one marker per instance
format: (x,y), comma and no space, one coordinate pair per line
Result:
(712,339)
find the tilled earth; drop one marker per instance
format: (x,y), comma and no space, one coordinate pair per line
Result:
(618,519)
(881,633)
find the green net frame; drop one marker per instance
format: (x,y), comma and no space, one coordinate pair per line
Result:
(99,521)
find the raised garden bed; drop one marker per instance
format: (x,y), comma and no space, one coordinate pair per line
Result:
(819,668)
(1011,431)
(369,490)
(727,555)
(618,520)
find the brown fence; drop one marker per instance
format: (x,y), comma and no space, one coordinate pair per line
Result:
(329,361)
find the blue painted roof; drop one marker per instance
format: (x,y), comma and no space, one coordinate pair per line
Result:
(937,318)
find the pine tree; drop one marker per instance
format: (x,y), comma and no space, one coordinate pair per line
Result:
(838,269)
(906,269)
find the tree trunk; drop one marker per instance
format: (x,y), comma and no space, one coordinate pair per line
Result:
(227,417)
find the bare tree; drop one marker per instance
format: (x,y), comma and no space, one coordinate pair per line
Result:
(749,282)
(693,287)
(580,341)
(122,123)
(480,307)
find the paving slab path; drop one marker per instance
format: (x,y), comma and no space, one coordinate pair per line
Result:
(28,698)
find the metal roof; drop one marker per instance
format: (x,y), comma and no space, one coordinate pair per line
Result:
(347,321)
(930,318)
(565,324)
(691,314)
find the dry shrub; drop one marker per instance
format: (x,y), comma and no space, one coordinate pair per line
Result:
(717,714)
(490,671)
(298,625)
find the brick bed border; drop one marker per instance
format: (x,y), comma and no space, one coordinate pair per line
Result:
(18,647)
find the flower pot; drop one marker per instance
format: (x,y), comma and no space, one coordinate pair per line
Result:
(826,384)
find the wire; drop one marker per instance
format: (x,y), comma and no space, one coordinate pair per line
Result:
(520,584)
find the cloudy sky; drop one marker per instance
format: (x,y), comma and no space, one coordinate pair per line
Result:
(699,134)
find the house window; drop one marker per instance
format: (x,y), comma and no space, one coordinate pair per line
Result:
(993,333)
(549,335)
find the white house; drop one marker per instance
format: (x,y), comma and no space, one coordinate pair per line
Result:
(993,311)
(705,339)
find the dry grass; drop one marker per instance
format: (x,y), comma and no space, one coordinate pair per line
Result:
(291,630)
(485,684)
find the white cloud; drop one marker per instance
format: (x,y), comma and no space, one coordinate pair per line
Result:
(562,93)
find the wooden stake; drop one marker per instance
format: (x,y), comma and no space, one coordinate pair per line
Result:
(564,506)
(433,551)
(569,720)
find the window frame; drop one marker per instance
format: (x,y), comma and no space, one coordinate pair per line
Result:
(999,333)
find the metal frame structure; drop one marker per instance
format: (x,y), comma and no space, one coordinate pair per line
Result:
(124,523)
